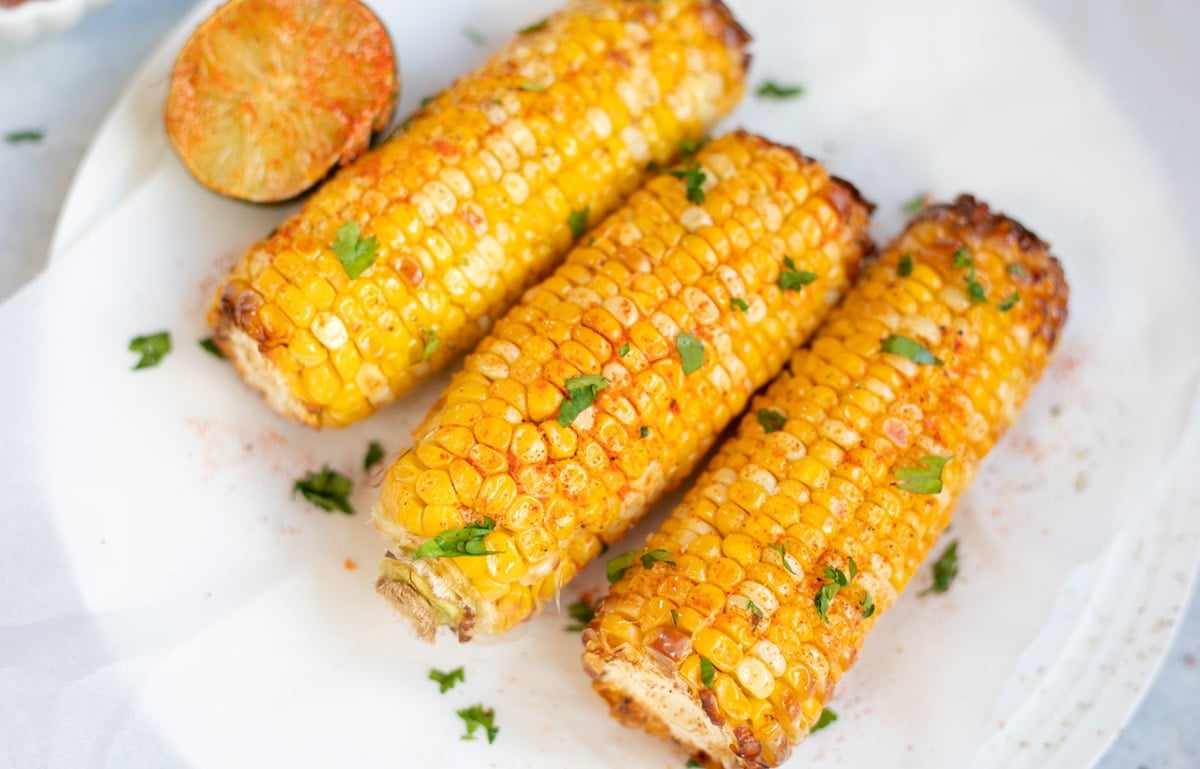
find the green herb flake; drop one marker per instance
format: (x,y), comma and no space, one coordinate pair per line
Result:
(772,90)
(535,87)
(152,347)
(962,258)
(578,221)
(975,290)
(581,393)
(475,36)
(582,613)
(432,343)
(24,137)
(916,204)
(328,490)
(623,350)
(618,565)
(826,718)
(446,681)
(911,349)
(781,548)
(654,556)
(687,147)
(644,431)
(707,672)
(479,717)
(674,617)
(694,178)
(904,269)
(534,27)
(691,352)
(693,764)
(945,569)
(355,253)
(1017,270)
(772,421)
(1009,301)
(738,303)
(926,479)
(868,604)
(374,455)
(211,348)
(425,100)
(837,580)
(793,279)
(464,541)
(755,612)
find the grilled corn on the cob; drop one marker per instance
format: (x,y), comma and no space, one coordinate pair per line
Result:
(668,315)
(470,202)
(794,539)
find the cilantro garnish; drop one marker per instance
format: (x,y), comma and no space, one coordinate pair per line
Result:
(772,90)
(756,612)
(707,672)
(1009,301)
(691,352)
(623,350)
(916,204)
(781,548)
(793,279)
(945,569)
(474,35)
(694,178)
(687,147)
(374,455)
(578,221)
(962,258)
(432,343)
(644,431)
(582,612)
(738,303)
(19,137)
(446,681)
(152,347)
(211,347)
(479,717)
(904,269)
(618,565)
(535,87)
(581,393)
(674,617)
(1017,271)
(826,718)
(693,764)
(926,479)
(772,421)
(328,490)
(463,541)
(838,579)
(534,27)
(355,253)
(868,605)
(911,349)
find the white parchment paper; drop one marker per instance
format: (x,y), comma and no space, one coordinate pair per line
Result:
(166,601)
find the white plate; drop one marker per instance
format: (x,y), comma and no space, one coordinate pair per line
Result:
(212,622)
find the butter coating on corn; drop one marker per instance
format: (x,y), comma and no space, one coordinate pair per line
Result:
(641,319)
(471,202)
(778,517)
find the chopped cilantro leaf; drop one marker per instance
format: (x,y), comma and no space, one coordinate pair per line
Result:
(374,455)
(211,347)
(693,764)
(868,604)
(534,27)
(464,541)
(355,253)
(687,147)
(926,479)
(152,347)
(772,421)
(447,680)
(674,617)
(581,393)
(793,279)
(644,431)
(618,565)
(535,87)
(694,178)
(582,612)
(1009,301)
(772,90)
(691,352)
(432,343)
(21,137)
(916,204)
(962,258)
(738,303)
(975,290)
(479,717)
(904,269)
(911,349)
(328,490)
(1017,270)
(578,221)
(623,350)
(826,718)
(945,569)
(707,672)
(656,555)
(756,612)
(781,548)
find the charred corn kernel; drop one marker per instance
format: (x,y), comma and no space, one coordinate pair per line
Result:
(584,480)
(471,199)
(855,416)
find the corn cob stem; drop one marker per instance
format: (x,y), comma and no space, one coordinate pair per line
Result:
(470,202)
(794,539)
(549,470)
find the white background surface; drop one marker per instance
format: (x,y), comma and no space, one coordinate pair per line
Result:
(1144,87)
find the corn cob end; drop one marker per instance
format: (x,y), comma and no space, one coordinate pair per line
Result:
(249,360)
